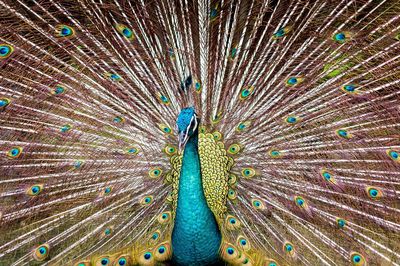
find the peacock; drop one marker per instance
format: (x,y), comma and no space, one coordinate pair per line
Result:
(207,132)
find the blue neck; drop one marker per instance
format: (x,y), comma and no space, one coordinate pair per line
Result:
(196,237)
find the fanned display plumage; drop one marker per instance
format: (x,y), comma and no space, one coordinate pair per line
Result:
(292,133)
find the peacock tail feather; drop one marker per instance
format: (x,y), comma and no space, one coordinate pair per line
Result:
(298,141)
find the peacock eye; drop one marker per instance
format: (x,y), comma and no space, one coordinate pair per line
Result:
(248,172)
(234,149)
(300,201)
(58,90)
(169,150)
(273,153)
(64,31)
(118,119)
(357,259)
(342,37)
(257,204)
(288,248)
(281,32)
(5,50)
(165,128)
(147,256)
(105,261)
(146,200)
(394,155)
(242,126)
(14,152)
(133,150)
(163,99)
(164,217)
(155,172)
(349,89)
(343,133)
(4,102)
(328,176)
(291,120)
(217,135)
(65,128)
(246,92)
(340,222)
(293,81)
(41,252)
(374,193)
(197,86)
(34,190)
(125,31)
(122,261)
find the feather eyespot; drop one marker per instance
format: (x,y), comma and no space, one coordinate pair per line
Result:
(394,155)
(281,32)
(327,176)
(214,13)
(113,76)
(257,204)
(41,252)
(357,259)
(343,133)
(65,128)
(300,202)
(78,164)
(340,222)
(34,190)
(233,53)
(232,179)
(4,102)
(64,31)
(58,90)
(146,258)
(288,248)
(274,153)
(234,149)
(243,243)
(242,126)
(155,172)
(246,92)
(291,120)
(217,136)
(15,152)
(147,200)
(229,252)
(132,150)
(125,31)
(374,193)
(163,99)
(342,37)
(350,89)
(197,85)
(118,119)
(169,150)
(5,50)
(165,128)
(248,172)
(162,252)
(164,217)
(231,194)
(294,81)
(232,223)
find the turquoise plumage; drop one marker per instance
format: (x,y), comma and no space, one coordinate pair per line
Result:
(227,132)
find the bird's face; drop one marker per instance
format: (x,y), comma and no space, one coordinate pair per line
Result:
(186,124)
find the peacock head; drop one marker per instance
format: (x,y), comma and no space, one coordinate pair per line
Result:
(186,124)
